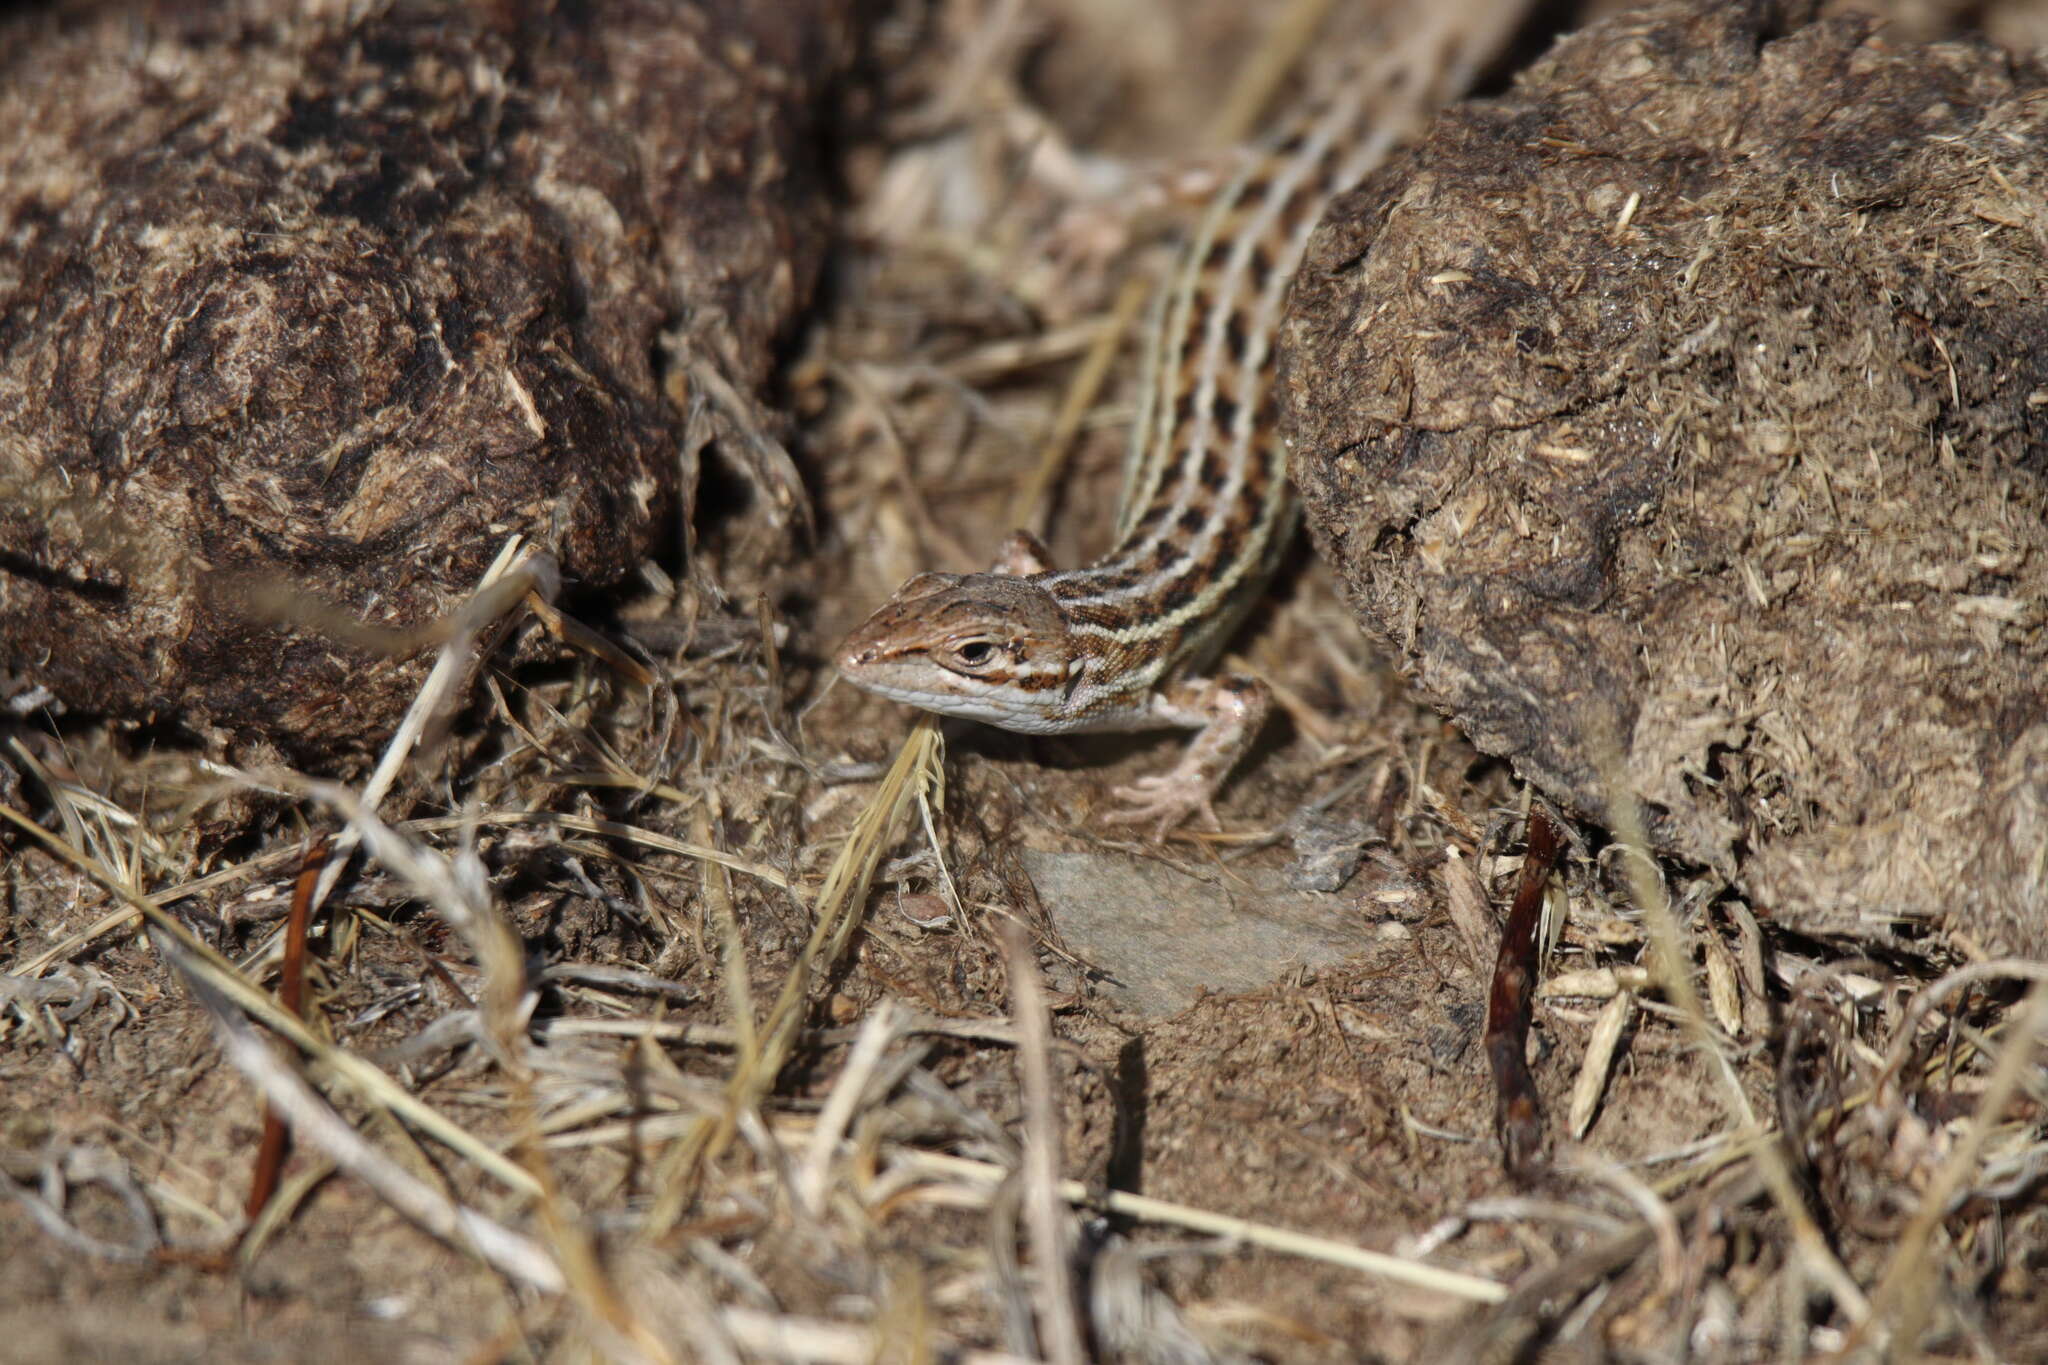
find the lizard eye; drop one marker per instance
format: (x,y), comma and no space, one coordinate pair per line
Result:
(974,653)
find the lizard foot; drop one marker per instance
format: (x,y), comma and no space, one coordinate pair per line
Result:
(1169,799)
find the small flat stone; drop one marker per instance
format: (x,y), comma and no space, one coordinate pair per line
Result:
(1164,936)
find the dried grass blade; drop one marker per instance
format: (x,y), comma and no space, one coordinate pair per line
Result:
(311,1118)
(1028,506)
(1455,1283)
(371,1083)
(514,574)
(1722,991)
(1671,962)
(1907,1282)
(916,770)
(1051,1235)
(816,1342)
(877,1032)
(733,973)
(1598,1062)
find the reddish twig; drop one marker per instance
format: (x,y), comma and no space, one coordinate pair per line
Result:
(1518,1115)
(291,989)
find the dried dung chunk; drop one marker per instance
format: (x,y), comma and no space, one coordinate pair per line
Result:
(337,298)
(1689,407)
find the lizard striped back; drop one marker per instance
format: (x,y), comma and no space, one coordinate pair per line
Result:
(1206,508)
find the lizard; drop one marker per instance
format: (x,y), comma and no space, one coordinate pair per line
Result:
(1123,643)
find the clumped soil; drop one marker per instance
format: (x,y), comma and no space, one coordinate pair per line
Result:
(1679,417)
(626,990)
(307,309)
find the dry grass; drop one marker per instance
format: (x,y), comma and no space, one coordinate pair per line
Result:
(656,1018)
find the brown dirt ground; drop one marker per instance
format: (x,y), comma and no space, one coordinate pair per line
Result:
(1350,1100)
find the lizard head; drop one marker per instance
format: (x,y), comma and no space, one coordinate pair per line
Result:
(989,647)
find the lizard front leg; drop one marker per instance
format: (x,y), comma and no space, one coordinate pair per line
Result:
(1228,711)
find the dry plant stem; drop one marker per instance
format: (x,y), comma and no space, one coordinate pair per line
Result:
(1927,999)
(877,1033)
(770,467)
(283,1206)
(310,1117)
(975,65)
(733,973)
(1908,1282)
(836,914)
(1601,1044)
(773,702)
(930,529)
(710,1339)
(108,923)
(1455,1283)
(1671,959)
(270,1155)
(610,829)
(457,888)
(73,803)
(929,819)
(1252,88)
(1508,1332)
(1030,505)
(458,894)
(203,961)
(574,633)
(503,585)
(1656,1213)
(495,596)
(1000,359)
(811,1342)
(292,784)
(459,891)
(1059,1323)
(714,1035)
